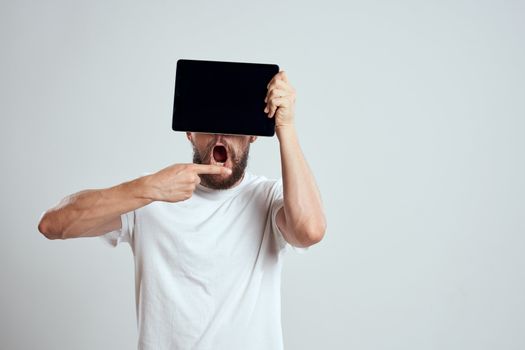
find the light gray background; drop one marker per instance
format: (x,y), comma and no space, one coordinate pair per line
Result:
(412,117)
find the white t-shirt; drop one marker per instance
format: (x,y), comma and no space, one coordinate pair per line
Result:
(208,269)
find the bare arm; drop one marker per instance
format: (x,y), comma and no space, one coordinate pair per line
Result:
(301,219)
(92,212)
(95,212)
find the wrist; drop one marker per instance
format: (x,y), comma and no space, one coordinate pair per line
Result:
(284,130)
(140,189)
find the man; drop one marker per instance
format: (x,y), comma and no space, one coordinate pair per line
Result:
(207,237)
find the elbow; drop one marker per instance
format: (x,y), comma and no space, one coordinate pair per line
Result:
(313,234)
(317,233)
(46,228)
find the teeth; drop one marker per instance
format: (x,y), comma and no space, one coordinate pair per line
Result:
(221,164)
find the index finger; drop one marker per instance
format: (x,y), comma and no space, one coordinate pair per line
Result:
(281,75)
(211,169)
(284,76)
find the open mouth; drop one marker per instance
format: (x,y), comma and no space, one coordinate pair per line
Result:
(220,155)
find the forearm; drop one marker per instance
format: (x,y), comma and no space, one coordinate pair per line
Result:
(302,201)
(81,212)
(92,212)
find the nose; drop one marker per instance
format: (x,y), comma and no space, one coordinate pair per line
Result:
(220,137)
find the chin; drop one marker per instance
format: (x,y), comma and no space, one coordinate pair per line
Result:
(223,176)
(221,181)
(219,155)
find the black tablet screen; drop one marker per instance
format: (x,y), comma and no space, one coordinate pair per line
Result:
(222,97)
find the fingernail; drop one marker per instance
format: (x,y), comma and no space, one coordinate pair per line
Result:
(265,109)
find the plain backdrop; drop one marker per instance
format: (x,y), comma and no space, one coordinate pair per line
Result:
(411,115)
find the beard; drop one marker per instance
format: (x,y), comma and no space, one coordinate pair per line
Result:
(239,164)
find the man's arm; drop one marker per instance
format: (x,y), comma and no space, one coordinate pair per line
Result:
(92,212)
(95,212)
(301,220)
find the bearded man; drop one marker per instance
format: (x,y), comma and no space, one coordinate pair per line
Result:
(207,237)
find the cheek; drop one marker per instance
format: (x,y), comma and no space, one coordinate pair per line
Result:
(204,144)
(240,150)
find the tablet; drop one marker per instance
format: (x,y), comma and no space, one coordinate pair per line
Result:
(222,97)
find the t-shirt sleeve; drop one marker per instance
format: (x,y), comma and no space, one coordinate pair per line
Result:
(124,234)
(277,204)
